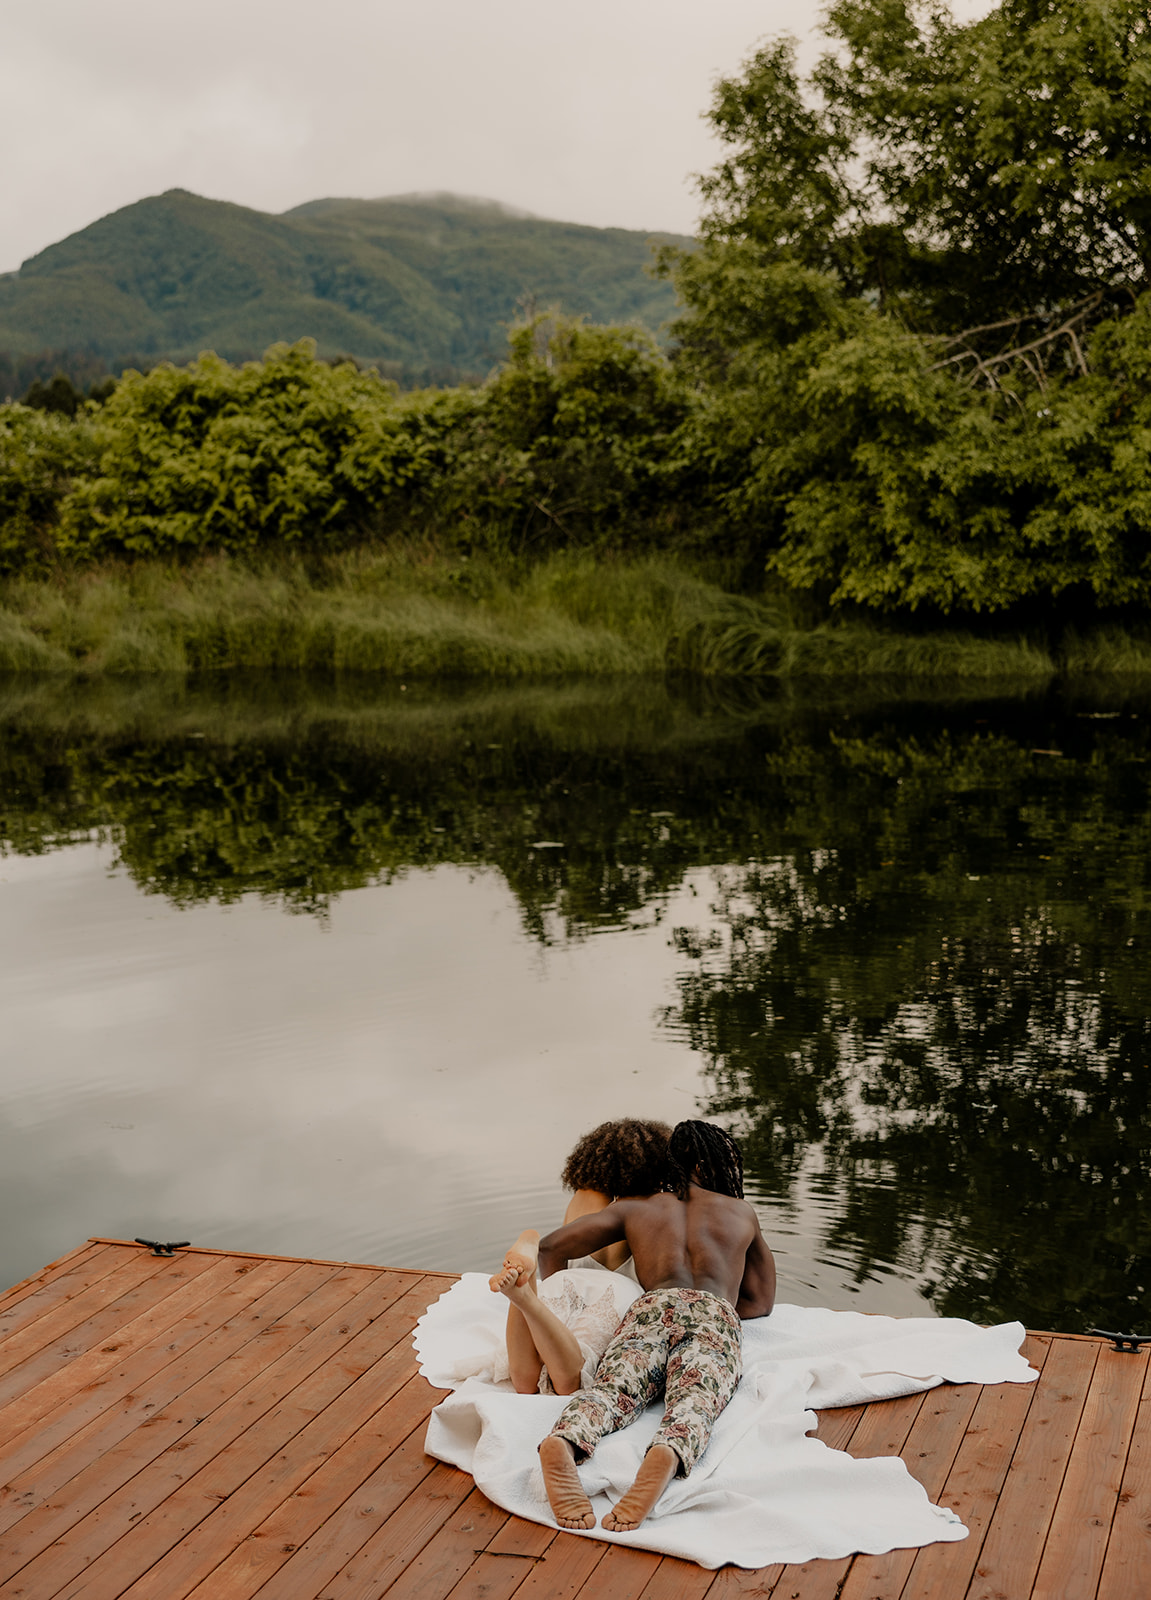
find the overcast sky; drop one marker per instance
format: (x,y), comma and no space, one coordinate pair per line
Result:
(590,111)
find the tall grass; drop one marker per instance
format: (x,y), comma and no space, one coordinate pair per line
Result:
(417,613)
(1109,650)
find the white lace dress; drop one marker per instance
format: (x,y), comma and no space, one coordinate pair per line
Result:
(588,1300)
(590,1303)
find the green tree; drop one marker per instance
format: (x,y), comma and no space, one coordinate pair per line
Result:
(60,394)
(915,313)
(581,434)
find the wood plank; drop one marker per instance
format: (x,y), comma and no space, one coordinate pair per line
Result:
(392,1548)
(1077,1541)
(320,1557)
(746,1583)
(272,1463)
(95,1445)
(205,1459)
(206,1417)
(63,1382)
(150,1378)
(1127,1565)
(567,1566)
(143,1527)
(1013,1545)
(930,1452)
(974,1483)
(103,1330)
(94,1310)
(836,1428)
(295,1515)
(498,1573)
(56,1291)
(43,1275)
(449,1553)
(623,1573)
(674,1579)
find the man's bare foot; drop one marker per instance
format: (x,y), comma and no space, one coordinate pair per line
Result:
(656,1471)
(519,1263)
(570,1506)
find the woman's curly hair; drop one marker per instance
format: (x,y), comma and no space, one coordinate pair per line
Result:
(622,1158)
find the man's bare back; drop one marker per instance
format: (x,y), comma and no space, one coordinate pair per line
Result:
(708,1241)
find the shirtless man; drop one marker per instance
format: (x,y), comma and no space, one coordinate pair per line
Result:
(704,1264)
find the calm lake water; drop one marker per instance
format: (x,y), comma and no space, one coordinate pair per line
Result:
(343,971)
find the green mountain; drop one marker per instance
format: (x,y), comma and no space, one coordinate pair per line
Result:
(424,286)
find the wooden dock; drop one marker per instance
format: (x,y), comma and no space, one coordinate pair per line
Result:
(226,1426)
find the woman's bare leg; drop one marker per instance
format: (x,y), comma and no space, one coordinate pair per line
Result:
(536,1337)
(524,1360)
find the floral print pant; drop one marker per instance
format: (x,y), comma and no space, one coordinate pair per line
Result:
(684,1343)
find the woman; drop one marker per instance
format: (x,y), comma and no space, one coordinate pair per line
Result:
(555,1339)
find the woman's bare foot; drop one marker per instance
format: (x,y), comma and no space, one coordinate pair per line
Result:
(570,1506)
(656,1471)
(519,1263)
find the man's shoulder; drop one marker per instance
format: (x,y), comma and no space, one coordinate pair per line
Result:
(733,1201)
(653,1202)
(742,1213)
(729,1205)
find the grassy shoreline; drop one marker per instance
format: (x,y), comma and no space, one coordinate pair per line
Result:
(417,613)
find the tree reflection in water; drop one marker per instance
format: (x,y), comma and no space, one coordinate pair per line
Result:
(926,963)
(941,983)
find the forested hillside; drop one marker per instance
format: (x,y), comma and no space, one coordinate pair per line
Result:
(422,286)
(910,376)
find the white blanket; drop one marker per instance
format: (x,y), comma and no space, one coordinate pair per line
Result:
(763,1491)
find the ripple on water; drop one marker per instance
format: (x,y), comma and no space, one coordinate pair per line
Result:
(817,1268)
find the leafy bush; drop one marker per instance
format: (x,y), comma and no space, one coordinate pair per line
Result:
(283,451)
(577,432)
(41,454)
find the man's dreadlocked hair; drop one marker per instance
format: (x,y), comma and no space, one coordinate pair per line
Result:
(702,1152)
(622,1158)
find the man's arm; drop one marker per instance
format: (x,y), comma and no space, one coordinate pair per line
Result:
(757,1291)
(582,1237)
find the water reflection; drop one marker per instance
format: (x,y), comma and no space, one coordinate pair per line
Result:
(905,941)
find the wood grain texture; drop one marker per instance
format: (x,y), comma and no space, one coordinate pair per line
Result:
(102,1503)
(1013,1546)
(316,1561)
(226,1426)
(974,1483)
(55,1269)
(1080,1530)
(62,1408)
(450,1552)
(622,1574)
(1127,1566)
(390,1551)
(61,1303)
(95,1444)
(91,1356)
(230,1472)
